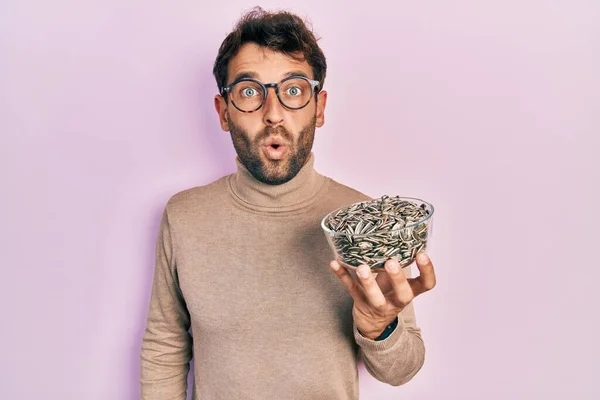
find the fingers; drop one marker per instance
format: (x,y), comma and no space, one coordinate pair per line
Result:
(371,289)
(349,283)
(426,280)
(392,287)
(403,292)
(384,282)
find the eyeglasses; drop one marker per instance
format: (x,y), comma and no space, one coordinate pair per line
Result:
(249,95)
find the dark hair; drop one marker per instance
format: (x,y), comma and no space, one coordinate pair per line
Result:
(280,31)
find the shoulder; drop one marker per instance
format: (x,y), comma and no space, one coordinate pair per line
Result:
(338,188)
(198,199)
(338,194)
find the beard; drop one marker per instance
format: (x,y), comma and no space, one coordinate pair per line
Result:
(273,172)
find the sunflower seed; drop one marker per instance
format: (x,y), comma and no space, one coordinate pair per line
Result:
(374,231)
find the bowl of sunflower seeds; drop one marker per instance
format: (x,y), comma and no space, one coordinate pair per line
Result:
(374,231)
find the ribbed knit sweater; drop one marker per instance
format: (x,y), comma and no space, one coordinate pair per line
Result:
(242,283)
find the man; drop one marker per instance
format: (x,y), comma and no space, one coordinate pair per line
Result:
(241,278)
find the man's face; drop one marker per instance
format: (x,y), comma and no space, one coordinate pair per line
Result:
(273,142)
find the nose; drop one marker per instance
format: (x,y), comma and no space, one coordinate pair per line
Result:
(273,109)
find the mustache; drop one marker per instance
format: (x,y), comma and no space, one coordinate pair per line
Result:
(277,131)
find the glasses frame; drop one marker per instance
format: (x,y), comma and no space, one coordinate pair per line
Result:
(266,86)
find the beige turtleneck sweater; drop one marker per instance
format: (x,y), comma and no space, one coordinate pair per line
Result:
(242,282)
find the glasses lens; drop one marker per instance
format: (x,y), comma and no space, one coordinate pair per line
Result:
(295,92)
(247,95)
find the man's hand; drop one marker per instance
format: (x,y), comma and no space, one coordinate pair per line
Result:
(380,297)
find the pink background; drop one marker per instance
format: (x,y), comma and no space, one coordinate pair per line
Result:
(489,110)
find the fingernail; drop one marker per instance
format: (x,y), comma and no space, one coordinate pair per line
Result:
(392,266)
(423,258)
(334,265)
(363,272)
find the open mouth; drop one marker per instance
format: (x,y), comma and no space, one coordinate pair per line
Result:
(275,151)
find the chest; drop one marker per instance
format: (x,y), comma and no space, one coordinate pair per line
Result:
(261,274)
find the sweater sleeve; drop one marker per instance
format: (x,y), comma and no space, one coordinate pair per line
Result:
(396,359)
(166,344)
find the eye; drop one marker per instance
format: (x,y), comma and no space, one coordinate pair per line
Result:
(294,91)
(249,92)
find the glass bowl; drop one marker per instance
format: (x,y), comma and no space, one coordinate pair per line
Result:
(373,231)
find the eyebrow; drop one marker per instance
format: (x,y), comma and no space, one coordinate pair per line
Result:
(296,73)
(254,75)
(249,74)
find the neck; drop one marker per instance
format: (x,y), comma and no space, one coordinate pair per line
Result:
(286,196)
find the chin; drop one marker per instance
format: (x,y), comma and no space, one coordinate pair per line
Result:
(277,178)
(276,172)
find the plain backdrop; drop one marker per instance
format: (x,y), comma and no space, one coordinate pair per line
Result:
(490,110)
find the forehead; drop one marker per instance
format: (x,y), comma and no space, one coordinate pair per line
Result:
(266,65)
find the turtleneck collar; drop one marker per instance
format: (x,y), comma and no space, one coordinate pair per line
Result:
(294,194)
